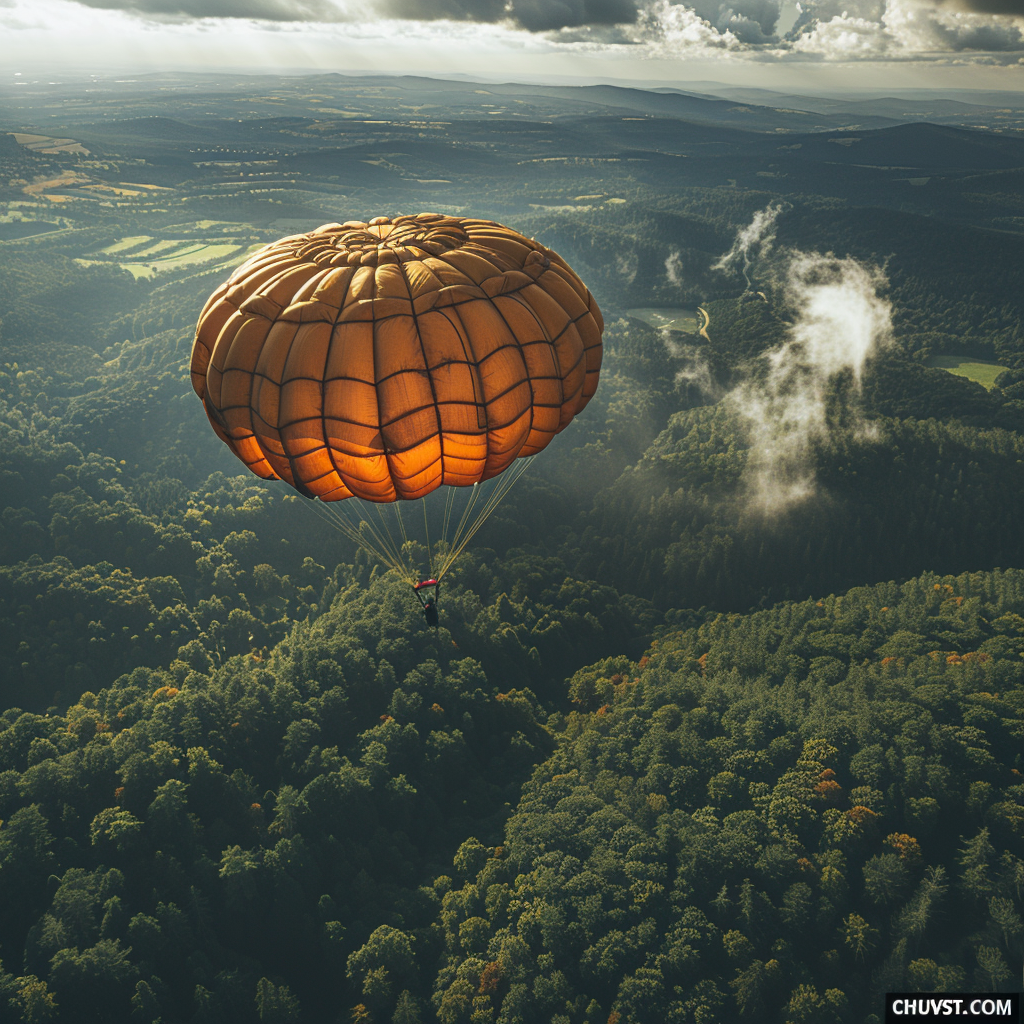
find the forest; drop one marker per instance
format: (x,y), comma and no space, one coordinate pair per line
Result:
(683,749)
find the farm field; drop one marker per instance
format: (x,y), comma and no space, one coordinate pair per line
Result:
(190,255)
(160,248)
(49,144)
(145,257)
(124,244)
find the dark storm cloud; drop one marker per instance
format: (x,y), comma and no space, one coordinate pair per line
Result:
(751,21)
(1014,7)
(546,15)
(268,10)
(434,10)
(533,15)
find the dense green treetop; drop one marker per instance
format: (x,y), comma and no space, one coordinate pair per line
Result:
(810,804)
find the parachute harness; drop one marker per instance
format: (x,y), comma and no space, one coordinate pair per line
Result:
(420,587)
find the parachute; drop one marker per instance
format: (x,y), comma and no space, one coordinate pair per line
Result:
(381,361)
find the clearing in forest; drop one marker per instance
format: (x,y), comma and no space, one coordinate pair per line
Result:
(668,318)
(979,370)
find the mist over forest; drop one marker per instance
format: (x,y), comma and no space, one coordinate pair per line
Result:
(723,719)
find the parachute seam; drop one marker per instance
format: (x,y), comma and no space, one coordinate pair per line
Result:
(526,366)
(486,403)
(434,403)
(582,357)
(426,367)
(474,369)
(271,280)
(252,384)
(373,357)
(380,425)
(421,408)
(450,304)
(560,374)
(298,484)
(323,389)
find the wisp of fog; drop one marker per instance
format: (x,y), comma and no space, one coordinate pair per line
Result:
(840,317)
(673,265)
(754,242)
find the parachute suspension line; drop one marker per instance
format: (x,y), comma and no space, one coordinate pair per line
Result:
(506,482)
(380,542)
(383,546)
(396,548)
(374,544)
(405,541)
(474,495)
(363,533)
(401,521)
(468,526)
(359,527)
(426,531)
(448,506)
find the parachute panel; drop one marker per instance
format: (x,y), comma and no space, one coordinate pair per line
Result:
(384,359)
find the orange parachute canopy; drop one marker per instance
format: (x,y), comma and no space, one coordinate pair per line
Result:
(385,359)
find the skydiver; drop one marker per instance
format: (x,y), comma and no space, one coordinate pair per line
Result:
(430,603)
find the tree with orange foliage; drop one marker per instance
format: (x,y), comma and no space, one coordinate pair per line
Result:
(490,978)
(827,787)
(906,846)
(862,816)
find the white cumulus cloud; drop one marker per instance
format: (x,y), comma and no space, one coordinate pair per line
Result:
(903,30)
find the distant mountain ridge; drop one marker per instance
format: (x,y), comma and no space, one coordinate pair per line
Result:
(923,146)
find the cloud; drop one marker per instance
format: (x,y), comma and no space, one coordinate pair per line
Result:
(548,15)
(673,268)
(532,15)
(918,27)
(440,10)
(264,10)
(753,242)
(826,30)
(750,21)
(670,30)
(626,266)
(820,12)
(696,370)
(1011,7)
(840,317)
(844,38)
(831,30)
(834,30)
(907,29)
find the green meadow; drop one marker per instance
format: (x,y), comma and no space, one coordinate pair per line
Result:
(978,370)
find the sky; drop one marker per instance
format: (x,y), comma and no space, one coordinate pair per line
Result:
(782,44)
